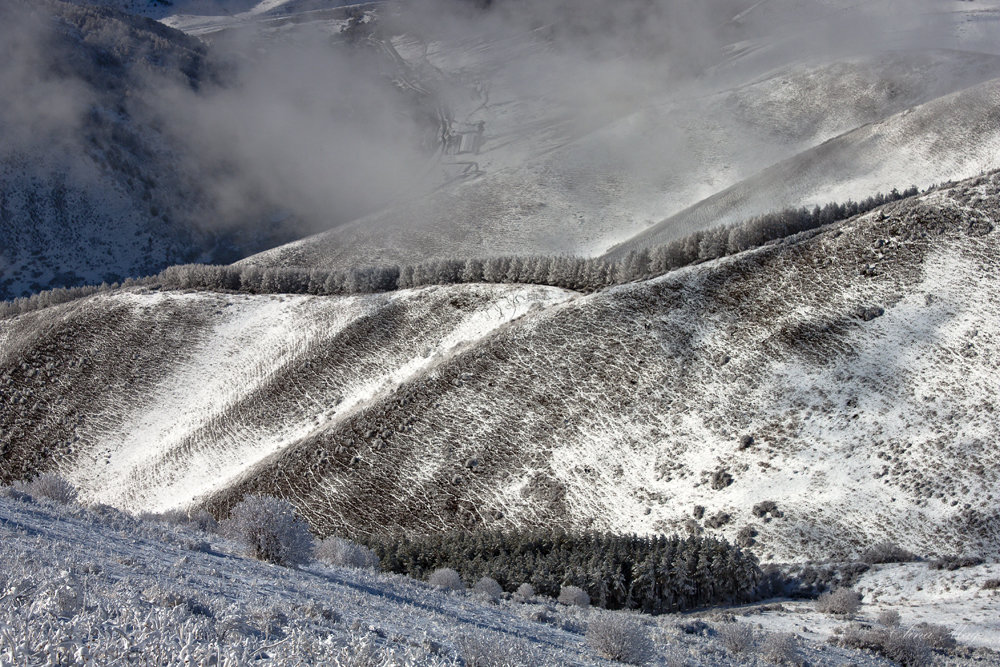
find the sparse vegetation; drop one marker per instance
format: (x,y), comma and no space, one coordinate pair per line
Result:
(887,552)
(49,485)
(737,638)
(779,648)
(899,644)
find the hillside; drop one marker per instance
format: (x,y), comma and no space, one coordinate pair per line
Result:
(845,375)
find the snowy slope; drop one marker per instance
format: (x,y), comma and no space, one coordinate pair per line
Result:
(248,377)
(95,584)
(861,359)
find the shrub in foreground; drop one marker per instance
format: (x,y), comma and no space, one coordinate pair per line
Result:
(270,530)
(901,645)
(486,649)
(841,602)
(50,485)
(619,637)
(736,637)
(779,648)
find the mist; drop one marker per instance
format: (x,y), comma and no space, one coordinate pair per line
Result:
(311,126)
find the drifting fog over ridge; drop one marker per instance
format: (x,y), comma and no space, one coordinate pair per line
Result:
(597,120)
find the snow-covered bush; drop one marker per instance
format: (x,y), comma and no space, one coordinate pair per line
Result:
(935,635)
(49,485)
(901,645)
(887,552)
(524,592)
(446,579)
(270,530)
(345,553)
(889,618)
(488,587)
(843,602)
(574,596)
(779,648)
(487,649)
(619,637)
(736,637)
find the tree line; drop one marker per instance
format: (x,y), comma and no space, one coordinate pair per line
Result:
(656,574)
(575,273)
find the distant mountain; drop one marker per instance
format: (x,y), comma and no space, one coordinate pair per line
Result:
(813,396)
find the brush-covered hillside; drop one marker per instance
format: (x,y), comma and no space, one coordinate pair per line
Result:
(808,398)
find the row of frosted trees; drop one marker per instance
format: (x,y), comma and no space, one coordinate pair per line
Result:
(576,273)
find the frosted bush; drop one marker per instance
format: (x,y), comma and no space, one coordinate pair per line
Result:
(573,596)
(524,592)
(619,637)
(344,553)
(842,602)
(936,636)
(486,649)
(889,618)
(887,552)
(488,587)
(446,579)
(779,648)
(901,645)
(50,485)
(736,637)
(270,530)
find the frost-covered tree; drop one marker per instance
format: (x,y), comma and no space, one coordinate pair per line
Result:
(271,530)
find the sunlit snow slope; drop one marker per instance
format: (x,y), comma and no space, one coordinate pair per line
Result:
(861,359)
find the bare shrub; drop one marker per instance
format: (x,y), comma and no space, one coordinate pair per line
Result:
(270,530)
(524,592)
(49,485)
(486,649)
(765,508)
(736,637)
(489,587)
(619,637)
(446,579)
(887,552)
(573,596)
(841,602)
(901,645)
(935,635)
(953,563)
(991,585)
(889,618)
(779,648)
(345,553)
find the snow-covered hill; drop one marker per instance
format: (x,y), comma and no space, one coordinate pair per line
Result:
(845,375)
